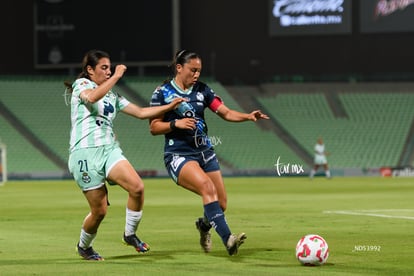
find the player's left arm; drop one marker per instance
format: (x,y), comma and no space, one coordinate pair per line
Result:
(235,116)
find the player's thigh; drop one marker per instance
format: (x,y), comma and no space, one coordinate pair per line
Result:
(193,178)
(124,174)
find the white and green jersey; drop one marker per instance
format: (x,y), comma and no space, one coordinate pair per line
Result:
(92,122)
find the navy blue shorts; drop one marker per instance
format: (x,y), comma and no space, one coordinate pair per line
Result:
(206,159)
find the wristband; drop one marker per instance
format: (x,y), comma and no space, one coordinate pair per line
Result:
(172,125)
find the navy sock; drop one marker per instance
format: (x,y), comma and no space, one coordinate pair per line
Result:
(215,216)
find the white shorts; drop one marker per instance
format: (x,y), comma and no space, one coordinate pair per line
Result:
(91,166)
(320,160)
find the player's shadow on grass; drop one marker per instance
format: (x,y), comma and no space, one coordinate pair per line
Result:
(146,256)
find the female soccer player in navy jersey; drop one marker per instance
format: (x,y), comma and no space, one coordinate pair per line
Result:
(188,154)
(95,155)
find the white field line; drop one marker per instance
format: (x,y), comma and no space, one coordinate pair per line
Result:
(375,214)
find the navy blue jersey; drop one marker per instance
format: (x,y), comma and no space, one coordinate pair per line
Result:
(198,98)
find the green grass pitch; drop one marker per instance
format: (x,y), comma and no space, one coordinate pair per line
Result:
(367,222)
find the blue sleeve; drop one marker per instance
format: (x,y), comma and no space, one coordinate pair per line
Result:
(157,98)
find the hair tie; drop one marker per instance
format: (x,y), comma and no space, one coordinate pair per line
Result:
(180,53)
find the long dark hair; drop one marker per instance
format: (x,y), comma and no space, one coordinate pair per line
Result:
(91,58)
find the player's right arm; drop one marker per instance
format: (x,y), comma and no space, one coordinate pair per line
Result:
(158,126)
(94,95)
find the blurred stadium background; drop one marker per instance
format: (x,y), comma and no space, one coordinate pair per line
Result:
(341,71)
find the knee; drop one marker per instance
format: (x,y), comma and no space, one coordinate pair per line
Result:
(98,214)
(100,217)
(137,190)
(208,188)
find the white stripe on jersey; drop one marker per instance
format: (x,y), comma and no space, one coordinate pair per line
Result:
(92,122)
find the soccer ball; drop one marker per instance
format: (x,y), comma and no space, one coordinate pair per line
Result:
(312,250)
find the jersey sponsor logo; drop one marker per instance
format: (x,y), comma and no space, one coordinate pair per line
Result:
(108,108)
(188,114)
(102,122)
(184,109)
(99,122)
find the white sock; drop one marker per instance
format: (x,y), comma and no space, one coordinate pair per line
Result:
(328,173)
(86,239)
(312,173)
(131,222)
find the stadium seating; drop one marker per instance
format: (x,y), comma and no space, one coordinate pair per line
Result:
(245,145)
(22,157)
(39,104)
(371,134)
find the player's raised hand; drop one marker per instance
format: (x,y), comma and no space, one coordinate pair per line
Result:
(176,102)
(120,70)
(256,115)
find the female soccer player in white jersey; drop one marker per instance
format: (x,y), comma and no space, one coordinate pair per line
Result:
(320,159)
(95,156)
(188,154)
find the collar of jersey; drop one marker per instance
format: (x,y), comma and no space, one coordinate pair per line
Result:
(175,85)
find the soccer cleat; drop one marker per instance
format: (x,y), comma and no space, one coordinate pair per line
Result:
(205,236)
(88,254)
(234,242)
(134,241)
